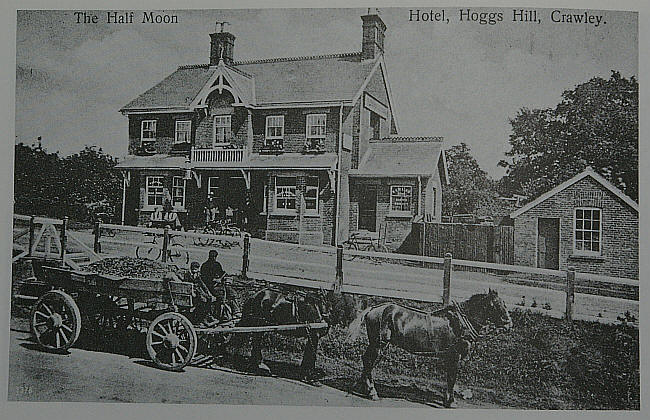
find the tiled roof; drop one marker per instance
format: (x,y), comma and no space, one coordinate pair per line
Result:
(332,77)
(176,90)
(319,78)
(395,156)
(159,161)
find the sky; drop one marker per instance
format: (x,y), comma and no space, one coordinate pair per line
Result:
(460,80)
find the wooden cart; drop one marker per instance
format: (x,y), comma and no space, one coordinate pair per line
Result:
(114,302)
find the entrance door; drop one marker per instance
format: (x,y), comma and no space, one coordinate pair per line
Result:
(368,208)
(548,243)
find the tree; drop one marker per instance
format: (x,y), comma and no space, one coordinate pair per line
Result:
(595,124)
(75,186)
(470,190)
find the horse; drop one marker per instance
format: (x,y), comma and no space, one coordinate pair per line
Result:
(447,333)
(272,306)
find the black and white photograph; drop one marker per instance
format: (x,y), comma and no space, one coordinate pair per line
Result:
(428,207)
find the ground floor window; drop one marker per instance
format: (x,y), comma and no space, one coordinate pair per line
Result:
(178,192)
(285,193)
(311,195)
(400,198)
(588,231)
(154,191)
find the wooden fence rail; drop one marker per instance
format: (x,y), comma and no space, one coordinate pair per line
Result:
(338,279)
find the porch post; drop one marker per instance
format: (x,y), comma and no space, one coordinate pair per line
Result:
(419,195)
(123,197)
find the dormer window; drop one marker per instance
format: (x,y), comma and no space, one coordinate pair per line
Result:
(183,131)
(148,132)
(222,129)
(316,126)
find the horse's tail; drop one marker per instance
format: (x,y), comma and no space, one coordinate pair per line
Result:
(355,326)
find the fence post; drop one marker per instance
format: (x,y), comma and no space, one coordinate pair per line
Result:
(246,256)
(165,244)
(64,238)
(97,247)
(446,279)
(32,232)
(570,293)
(338,285)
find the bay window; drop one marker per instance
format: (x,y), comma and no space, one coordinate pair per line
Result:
(285,193)
(311,195)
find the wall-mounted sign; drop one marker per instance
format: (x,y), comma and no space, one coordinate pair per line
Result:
(347,142)
(375,106)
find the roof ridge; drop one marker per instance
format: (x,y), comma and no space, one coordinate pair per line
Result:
(306,57)
(194,66)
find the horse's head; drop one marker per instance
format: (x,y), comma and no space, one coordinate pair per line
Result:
(491,309)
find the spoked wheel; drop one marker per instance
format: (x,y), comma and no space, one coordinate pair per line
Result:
(56,321)
(148,252)
(178,255)
(171,341)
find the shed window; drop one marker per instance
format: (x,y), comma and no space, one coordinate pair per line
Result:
(588,231)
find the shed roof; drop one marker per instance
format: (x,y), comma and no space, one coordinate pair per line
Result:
(587,172)
(400,156)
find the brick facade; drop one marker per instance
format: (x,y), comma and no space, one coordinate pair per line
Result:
(620,231)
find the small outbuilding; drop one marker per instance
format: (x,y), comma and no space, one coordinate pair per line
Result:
(586,223)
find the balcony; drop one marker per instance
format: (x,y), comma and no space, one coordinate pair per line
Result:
(219,157)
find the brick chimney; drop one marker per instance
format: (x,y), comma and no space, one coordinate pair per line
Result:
(222,45)
(372,43)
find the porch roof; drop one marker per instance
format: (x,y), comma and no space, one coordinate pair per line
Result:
(293,161)
(401,156)
(158,161)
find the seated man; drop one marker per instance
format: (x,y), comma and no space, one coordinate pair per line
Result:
(203,305)
(215,279)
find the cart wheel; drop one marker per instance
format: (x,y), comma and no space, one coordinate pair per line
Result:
(171,341)
(56,321)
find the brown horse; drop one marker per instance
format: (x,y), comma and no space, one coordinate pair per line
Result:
(276,307)
(447,333)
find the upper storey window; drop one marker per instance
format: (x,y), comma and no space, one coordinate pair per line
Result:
(183,131)
(222,129)
(148,132)
(316,125)
(274,132)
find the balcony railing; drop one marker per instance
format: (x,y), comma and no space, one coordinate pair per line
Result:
(220,157)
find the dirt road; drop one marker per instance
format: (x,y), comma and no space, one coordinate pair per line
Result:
(84,375)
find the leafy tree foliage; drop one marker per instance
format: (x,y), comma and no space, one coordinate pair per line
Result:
(470,189)
(76,186)
(596,125)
